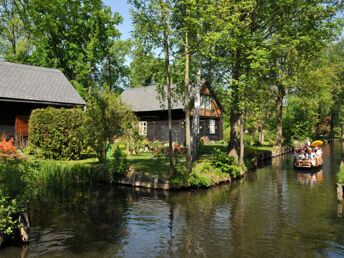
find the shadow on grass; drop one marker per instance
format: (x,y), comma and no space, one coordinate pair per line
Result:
(146,163)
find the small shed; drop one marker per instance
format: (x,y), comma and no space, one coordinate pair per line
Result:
(24,88)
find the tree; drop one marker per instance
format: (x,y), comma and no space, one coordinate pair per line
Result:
(14,31)
(153,29)
(300,30)
(146,69)
(107,118)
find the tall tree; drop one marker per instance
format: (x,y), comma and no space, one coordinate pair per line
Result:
(153,28)
(14,31)
(300,30)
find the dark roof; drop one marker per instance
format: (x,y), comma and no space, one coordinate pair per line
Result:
(147,99)
(26,83)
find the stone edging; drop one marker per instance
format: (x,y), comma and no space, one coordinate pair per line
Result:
(157,182)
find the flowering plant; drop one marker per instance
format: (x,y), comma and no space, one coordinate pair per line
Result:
(7,146)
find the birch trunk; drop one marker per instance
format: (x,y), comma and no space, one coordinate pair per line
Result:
(280,97)
(171,171)
(187,104)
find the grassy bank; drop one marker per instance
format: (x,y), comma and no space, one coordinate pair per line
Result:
(340,175)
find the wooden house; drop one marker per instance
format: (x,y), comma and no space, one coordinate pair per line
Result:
(24,88)
(153,116)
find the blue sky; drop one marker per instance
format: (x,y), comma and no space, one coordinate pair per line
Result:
(122,7)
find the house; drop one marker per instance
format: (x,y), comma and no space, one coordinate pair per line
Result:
(153,117)
(24,88)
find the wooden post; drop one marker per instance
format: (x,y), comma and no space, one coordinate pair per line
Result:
(340,192)
(340,209)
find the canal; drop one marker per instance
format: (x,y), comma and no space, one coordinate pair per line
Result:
(272,212)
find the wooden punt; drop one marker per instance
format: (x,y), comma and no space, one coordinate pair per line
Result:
(308,163)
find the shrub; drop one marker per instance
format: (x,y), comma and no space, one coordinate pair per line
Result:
(107,118)
(226,163)
(7,146)
(58,132)
(340,176)
(193,179)
(119,165)
(12,196)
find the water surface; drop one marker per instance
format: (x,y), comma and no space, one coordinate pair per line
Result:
(271,212)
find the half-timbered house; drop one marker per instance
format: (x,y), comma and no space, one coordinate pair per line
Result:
(151,111)
(24,88)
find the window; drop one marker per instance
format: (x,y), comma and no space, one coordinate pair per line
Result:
(143,128)
(206,102)
(212,126)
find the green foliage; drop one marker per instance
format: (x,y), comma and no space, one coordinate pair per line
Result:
(9,213)
(12,195)
(340,176)
(225,162)
(193,179)
(119,165)
(78,37)
(58,132)
(107,118)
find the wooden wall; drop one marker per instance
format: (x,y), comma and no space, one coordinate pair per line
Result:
(14,118)
(157,126)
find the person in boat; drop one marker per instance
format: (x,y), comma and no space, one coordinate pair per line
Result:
(319,150)
(307,142)
(311,156)
(299,155)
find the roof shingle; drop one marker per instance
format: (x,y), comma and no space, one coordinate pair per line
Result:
(32,83)
(147,99)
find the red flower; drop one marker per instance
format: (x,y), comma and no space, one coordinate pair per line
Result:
(7,147)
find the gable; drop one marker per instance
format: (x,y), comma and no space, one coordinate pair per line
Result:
(215,110)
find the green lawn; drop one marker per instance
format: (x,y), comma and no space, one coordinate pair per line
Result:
(147,164)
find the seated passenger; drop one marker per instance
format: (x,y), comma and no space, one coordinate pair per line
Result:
(299,155)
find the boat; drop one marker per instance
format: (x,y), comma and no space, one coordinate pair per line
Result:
(308,163)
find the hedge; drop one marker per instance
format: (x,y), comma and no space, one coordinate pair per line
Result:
(58,132)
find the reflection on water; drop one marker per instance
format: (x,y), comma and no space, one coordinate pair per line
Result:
(309,178)
(274,211)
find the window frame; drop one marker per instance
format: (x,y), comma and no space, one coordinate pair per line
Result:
(206,102)
(212,126)
(144,126)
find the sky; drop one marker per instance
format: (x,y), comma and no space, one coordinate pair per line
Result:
(122,7)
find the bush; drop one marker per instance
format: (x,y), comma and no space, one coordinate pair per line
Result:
(226,163)
(58,132)
(107,119)
(12,196)
(340,176)
(7,146)
(119,165)
(193,179)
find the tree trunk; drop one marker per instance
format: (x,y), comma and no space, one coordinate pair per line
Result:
(171,171)
(90,80)
(196,110)
(233,145)
(242,145)
(342,132)
(196,95)
(187,104)
(280,97)
(110,73)
(261,132)
(331,135)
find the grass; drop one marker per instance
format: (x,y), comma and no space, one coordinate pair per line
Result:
(340,175)
(145,163)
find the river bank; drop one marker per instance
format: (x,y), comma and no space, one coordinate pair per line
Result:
(135,179)
(269,212)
